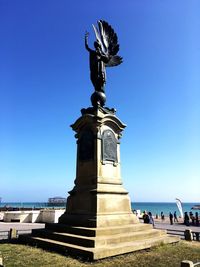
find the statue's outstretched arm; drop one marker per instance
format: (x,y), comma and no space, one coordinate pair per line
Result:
(86,42)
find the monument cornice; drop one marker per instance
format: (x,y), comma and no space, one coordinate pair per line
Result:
(96,119)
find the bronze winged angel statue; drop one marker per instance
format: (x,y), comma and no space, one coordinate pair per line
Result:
(104,55)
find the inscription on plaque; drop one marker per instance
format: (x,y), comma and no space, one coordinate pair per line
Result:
(86,146)
(109,146)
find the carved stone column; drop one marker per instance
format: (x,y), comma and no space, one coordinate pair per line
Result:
(98,198)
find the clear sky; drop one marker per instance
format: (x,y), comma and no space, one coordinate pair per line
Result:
(44,82)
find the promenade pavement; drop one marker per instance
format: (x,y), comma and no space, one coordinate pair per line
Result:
(22,228)
(179,226)
(5,226)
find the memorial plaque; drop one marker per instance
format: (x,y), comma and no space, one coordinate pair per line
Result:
(109,146)
(86,146)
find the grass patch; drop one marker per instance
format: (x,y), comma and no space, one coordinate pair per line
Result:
(163,256)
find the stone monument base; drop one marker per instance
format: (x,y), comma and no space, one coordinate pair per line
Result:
(98,243)
(98,221)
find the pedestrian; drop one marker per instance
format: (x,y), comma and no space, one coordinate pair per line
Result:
(197,218)
(175,217)
(151,219)
(162,216)
(146,217)
(186,219)
(171,218)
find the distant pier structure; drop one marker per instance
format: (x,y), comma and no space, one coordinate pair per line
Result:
(56,201)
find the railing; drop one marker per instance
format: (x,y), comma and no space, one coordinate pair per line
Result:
(179,233)
(195,235)
(12,233)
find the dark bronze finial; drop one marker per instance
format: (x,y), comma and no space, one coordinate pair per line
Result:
(104,55)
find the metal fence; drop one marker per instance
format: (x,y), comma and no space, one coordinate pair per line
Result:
(12,233)
(195,235)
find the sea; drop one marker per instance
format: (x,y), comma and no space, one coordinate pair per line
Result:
(153,207)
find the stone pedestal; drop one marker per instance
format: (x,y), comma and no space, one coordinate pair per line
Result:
(98,198)
(98,221)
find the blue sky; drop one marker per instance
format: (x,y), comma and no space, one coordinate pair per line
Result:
(44,82)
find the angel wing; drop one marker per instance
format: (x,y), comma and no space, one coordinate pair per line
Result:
(98,37)
(108,41)
(114,61)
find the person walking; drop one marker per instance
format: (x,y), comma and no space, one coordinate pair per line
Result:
(186,219)
(197,218)
(162,216)
(151,219)
(175,217)
(171,218)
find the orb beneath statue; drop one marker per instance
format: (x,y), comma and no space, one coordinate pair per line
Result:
(98,99)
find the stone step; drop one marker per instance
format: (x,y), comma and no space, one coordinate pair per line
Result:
(57,246)
(99,240)
(100,252)
(65,237)
(126,247)
(86,231)
(133,236)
